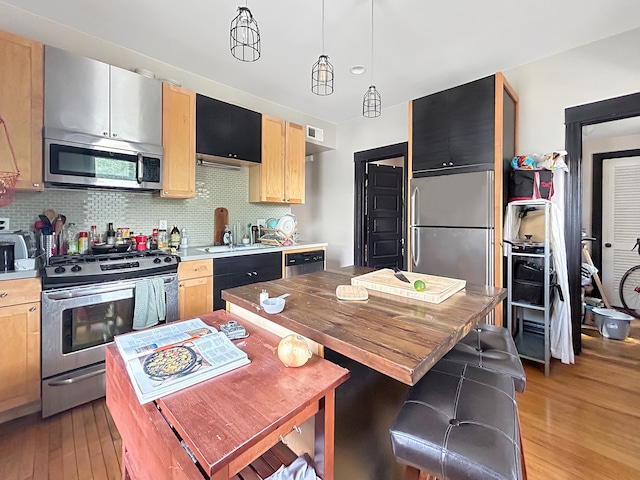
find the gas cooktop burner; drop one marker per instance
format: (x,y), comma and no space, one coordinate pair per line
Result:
(73,270)
(105,257)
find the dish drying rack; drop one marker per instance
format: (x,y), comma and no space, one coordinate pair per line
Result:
(275,236)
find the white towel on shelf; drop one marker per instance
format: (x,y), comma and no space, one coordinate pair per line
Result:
(300,469)
(149,303)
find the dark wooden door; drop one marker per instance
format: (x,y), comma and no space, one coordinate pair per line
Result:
(384,216)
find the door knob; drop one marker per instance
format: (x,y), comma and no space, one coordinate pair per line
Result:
(608,245)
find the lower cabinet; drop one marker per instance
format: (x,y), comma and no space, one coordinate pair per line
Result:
(195,288)
(20,353)
(232,272)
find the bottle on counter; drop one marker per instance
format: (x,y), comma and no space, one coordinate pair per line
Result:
(71,240)
(119,237)
(111,234)
(94,239)
(153,241)
(183,239)
(83,243)
(174,239)
(162,239)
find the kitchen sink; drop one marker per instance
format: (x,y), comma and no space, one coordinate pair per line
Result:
(226,248)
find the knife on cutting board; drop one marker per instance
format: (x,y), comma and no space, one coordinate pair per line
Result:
(399,275)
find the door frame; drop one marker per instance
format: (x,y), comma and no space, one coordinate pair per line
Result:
(596,199)
(360,160)
(575,118)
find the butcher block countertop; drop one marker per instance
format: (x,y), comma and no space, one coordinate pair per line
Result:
(399,337)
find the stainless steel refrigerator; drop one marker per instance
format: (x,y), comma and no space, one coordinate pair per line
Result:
(452,226)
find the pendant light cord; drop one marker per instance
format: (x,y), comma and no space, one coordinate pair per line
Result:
(322,27)
(371,42)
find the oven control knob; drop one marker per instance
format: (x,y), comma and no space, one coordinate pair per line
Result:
(157,260)
(60,270)
(76,268)
(167,259)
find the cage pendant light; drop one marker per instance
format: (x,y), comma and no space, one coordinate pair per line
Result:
(371,102)
(322,70)
(245,36)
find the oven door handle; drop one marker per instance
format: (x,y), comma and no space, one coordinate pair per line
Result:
(79,378)
(87,292)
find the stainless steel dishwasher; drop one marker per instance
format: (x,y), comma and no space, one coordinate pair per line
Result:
(303,262)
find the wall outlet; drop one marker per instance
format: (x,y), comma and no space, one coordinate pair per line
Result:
(4,224)
(162,225)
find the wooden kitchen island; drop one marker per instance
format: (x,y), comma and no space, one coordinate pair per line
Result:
(230,426)
(387,342)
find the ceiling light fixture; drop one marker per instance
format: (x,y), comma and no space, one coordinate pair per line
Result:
(371,103)
(322,70)
(358,69)
(245,36)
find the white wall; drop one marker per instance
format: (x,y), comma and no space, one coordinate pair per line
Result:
(597,71)
(328,212)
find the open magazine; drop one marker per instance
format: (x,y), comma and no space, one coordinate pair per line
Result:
(165,359)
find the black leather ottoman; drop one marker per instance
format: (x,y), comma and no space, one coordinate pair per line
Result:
(490,348)
(460,422)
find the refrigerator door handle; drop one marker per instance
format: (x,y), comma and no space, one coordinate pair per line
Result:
(414,247)
(414,198)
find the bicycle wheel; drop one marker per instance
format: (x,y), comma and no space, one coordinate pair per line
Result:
(630,291)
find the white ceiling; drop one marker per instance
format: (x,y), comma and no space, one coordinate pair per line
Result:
(420,46)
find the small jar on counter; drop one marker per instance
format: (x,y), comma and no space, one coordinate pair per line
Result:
(83,243)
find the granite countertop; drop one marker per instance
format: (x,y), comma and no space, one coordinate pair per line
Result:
(198,253)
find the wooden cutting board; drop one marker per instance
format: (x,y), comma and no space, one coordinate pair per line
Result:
(220,221)
(438,288)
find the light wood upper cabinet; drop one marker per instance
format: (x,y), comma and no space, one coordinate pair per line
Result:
(280,176)
(179,142)
(195,288)
(21,94)
(20,355)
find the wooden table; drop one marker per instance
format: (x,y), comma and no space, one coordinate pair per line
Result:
(398,337)
(226,422)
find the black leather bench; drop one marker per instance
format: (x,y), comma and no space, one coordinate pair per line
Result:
(459,422)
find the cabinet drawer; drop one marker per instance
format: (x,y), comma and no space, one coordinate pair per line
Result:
(263,444)
(15,292)
(195,269)
(248,263)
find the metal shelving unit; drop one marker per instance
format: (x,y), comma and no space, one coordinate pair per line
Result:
(532,334)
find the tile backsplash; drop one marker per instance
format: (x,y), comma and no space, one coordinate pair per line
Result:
(142,211)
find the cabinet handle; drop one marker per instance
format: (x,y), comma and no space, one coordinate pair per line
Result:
(297,429)
(197,269)
(106,134)
(281,438)
(114,134)
(33,309)
(3,294)
(255,273)
(450,163)
(444,164)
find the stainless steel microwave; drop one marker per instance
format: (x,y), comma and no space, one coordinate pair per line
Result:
(81,160)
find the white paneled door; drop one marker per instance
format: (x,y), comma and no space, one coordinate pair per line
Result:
(620,221)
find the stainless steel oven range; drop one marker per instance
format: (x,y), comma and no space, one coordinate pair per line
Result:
(86,300)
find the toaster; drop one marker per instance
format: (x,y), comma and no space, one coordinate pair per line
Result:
(25,245)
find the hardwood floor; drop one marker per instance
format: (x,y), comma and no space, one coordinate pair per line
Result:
(82,443)
(580,422)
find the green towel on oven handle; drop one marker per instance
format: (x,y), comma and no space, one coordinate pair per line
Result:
(149,303)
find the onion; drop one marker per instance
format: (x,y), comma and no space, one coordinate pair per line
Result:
(293,351)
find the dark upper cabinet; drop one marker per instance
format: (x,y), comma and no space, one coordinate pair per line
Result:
(453,130)
(225,130)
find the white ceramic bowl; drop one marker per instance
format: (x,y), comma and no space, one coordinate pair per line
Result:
(273,305)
